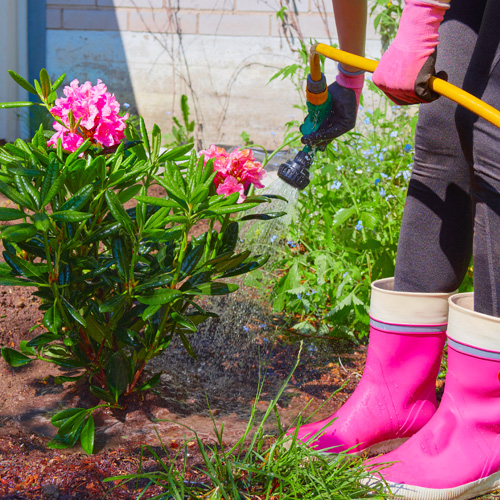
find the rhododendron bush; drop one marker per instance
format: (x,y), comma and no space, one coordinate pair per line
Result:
(115,284)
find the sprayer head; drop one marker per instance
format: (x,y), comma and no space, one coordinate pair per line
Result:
(296,172)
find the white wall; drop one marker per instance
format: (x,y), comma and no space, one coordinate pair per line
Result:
(14,56)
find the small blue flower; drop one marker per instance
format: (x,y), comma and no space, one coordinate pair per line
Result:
(366,120)
(382,192)
(263,325)
(377,181)
(406,175)
(299,296)
(246,328)
(359,225)
(384,176)
(394,133)
(344,275)
(408,148)
(273,238)
(381,156)
(336,185)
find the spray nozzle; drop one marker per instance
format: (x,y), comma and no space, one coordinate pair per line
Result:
(296,172)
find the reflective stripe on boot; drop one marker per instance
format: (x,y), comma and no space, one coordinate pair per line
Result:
(456,456)
(396,395)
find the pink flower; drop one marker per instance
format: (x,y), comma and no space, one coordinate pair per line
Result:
(231,185)
(95,112)
(236,168)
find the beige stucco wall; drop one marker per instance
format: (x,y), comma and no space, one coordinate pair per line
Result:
(221,53)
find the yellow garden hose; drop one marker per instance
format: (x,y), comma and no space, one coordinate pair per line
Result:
(438,85)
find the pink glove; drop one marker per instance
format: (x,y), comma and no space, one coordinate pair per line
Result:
(404,70)
(352,81)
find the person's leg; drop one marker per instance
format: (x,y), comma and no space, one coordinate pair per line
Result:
(435,243)
(481,144)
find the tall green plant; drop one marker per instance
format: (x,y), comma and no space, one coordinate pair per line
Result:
(116,285)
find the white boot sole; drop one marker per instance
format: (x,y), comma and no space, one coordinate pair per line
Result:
(464,492)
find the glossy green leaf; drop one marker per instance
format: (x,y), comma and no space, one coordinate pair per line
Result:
(17,104)
(11,214)
(144,134)
(343,215)
(191,260)
(175,153)
(159,297)
(113,304)
(214,288)
(149,384)
(14,195)
(74,313)
(42,340)
(155,282)
(158,202)
(121,254)
(267,216)
(246,267)
(87,435)
(98,331)
(18,232)
(11,281)
(232,209)
(100,393)
(52,319)
(22,82)
(45,83)
(230,238)
(14,358)
(118,212)
(54,188)
(63,416)
(184,321)
(27,349)
(58,82)
(70,216)
(117,374)
(80,199)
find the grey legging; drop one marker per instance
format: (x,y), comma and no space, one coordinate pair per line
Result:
(453,204)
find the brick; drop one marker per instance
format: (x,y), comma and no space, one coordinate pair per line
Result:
(94,20)
(234,25)
(270,5)
(206,4)
(140,4)
(65,3)
(313,26)
(54,18)
(159,22)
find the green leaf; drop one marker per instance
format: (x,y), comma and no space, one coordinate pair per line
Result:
(129,193)
(58,82)
(214,288)
(144,134)
(113,304)
(102,394)
(155,282)
(22,82)
(161,296)
(268,216)
(232,209)
(63,416)
(74,313)
(246,267)
(18,232)
(157,202)
(150,311)
(191,260)
(51,174)
(45,82)
(343,215)
(175,153)
(55,187)
(121,254)
(118,212)
(87,435)
(26,349)
(184,321)
(42,340)
(156,144)
(17,104)
(10,281)
(230,238)
(117,374)
(14,195)
(70,216)
(98,331)
(14,358)
(52,319)
(149,384)
(11,214)
(79,199)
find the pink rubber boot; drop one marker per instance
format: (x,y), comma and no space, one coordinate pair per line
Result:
(456,456)
(396,396)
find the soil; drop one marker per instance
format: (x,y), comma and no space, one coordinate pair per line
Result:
(247,346)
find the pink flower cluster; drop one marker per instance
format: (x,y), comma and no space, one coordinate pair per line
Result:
(95,113)
(235,170)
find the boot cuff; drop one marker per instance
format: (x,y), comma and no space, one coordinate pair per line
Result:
(407,308)
(471,328)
